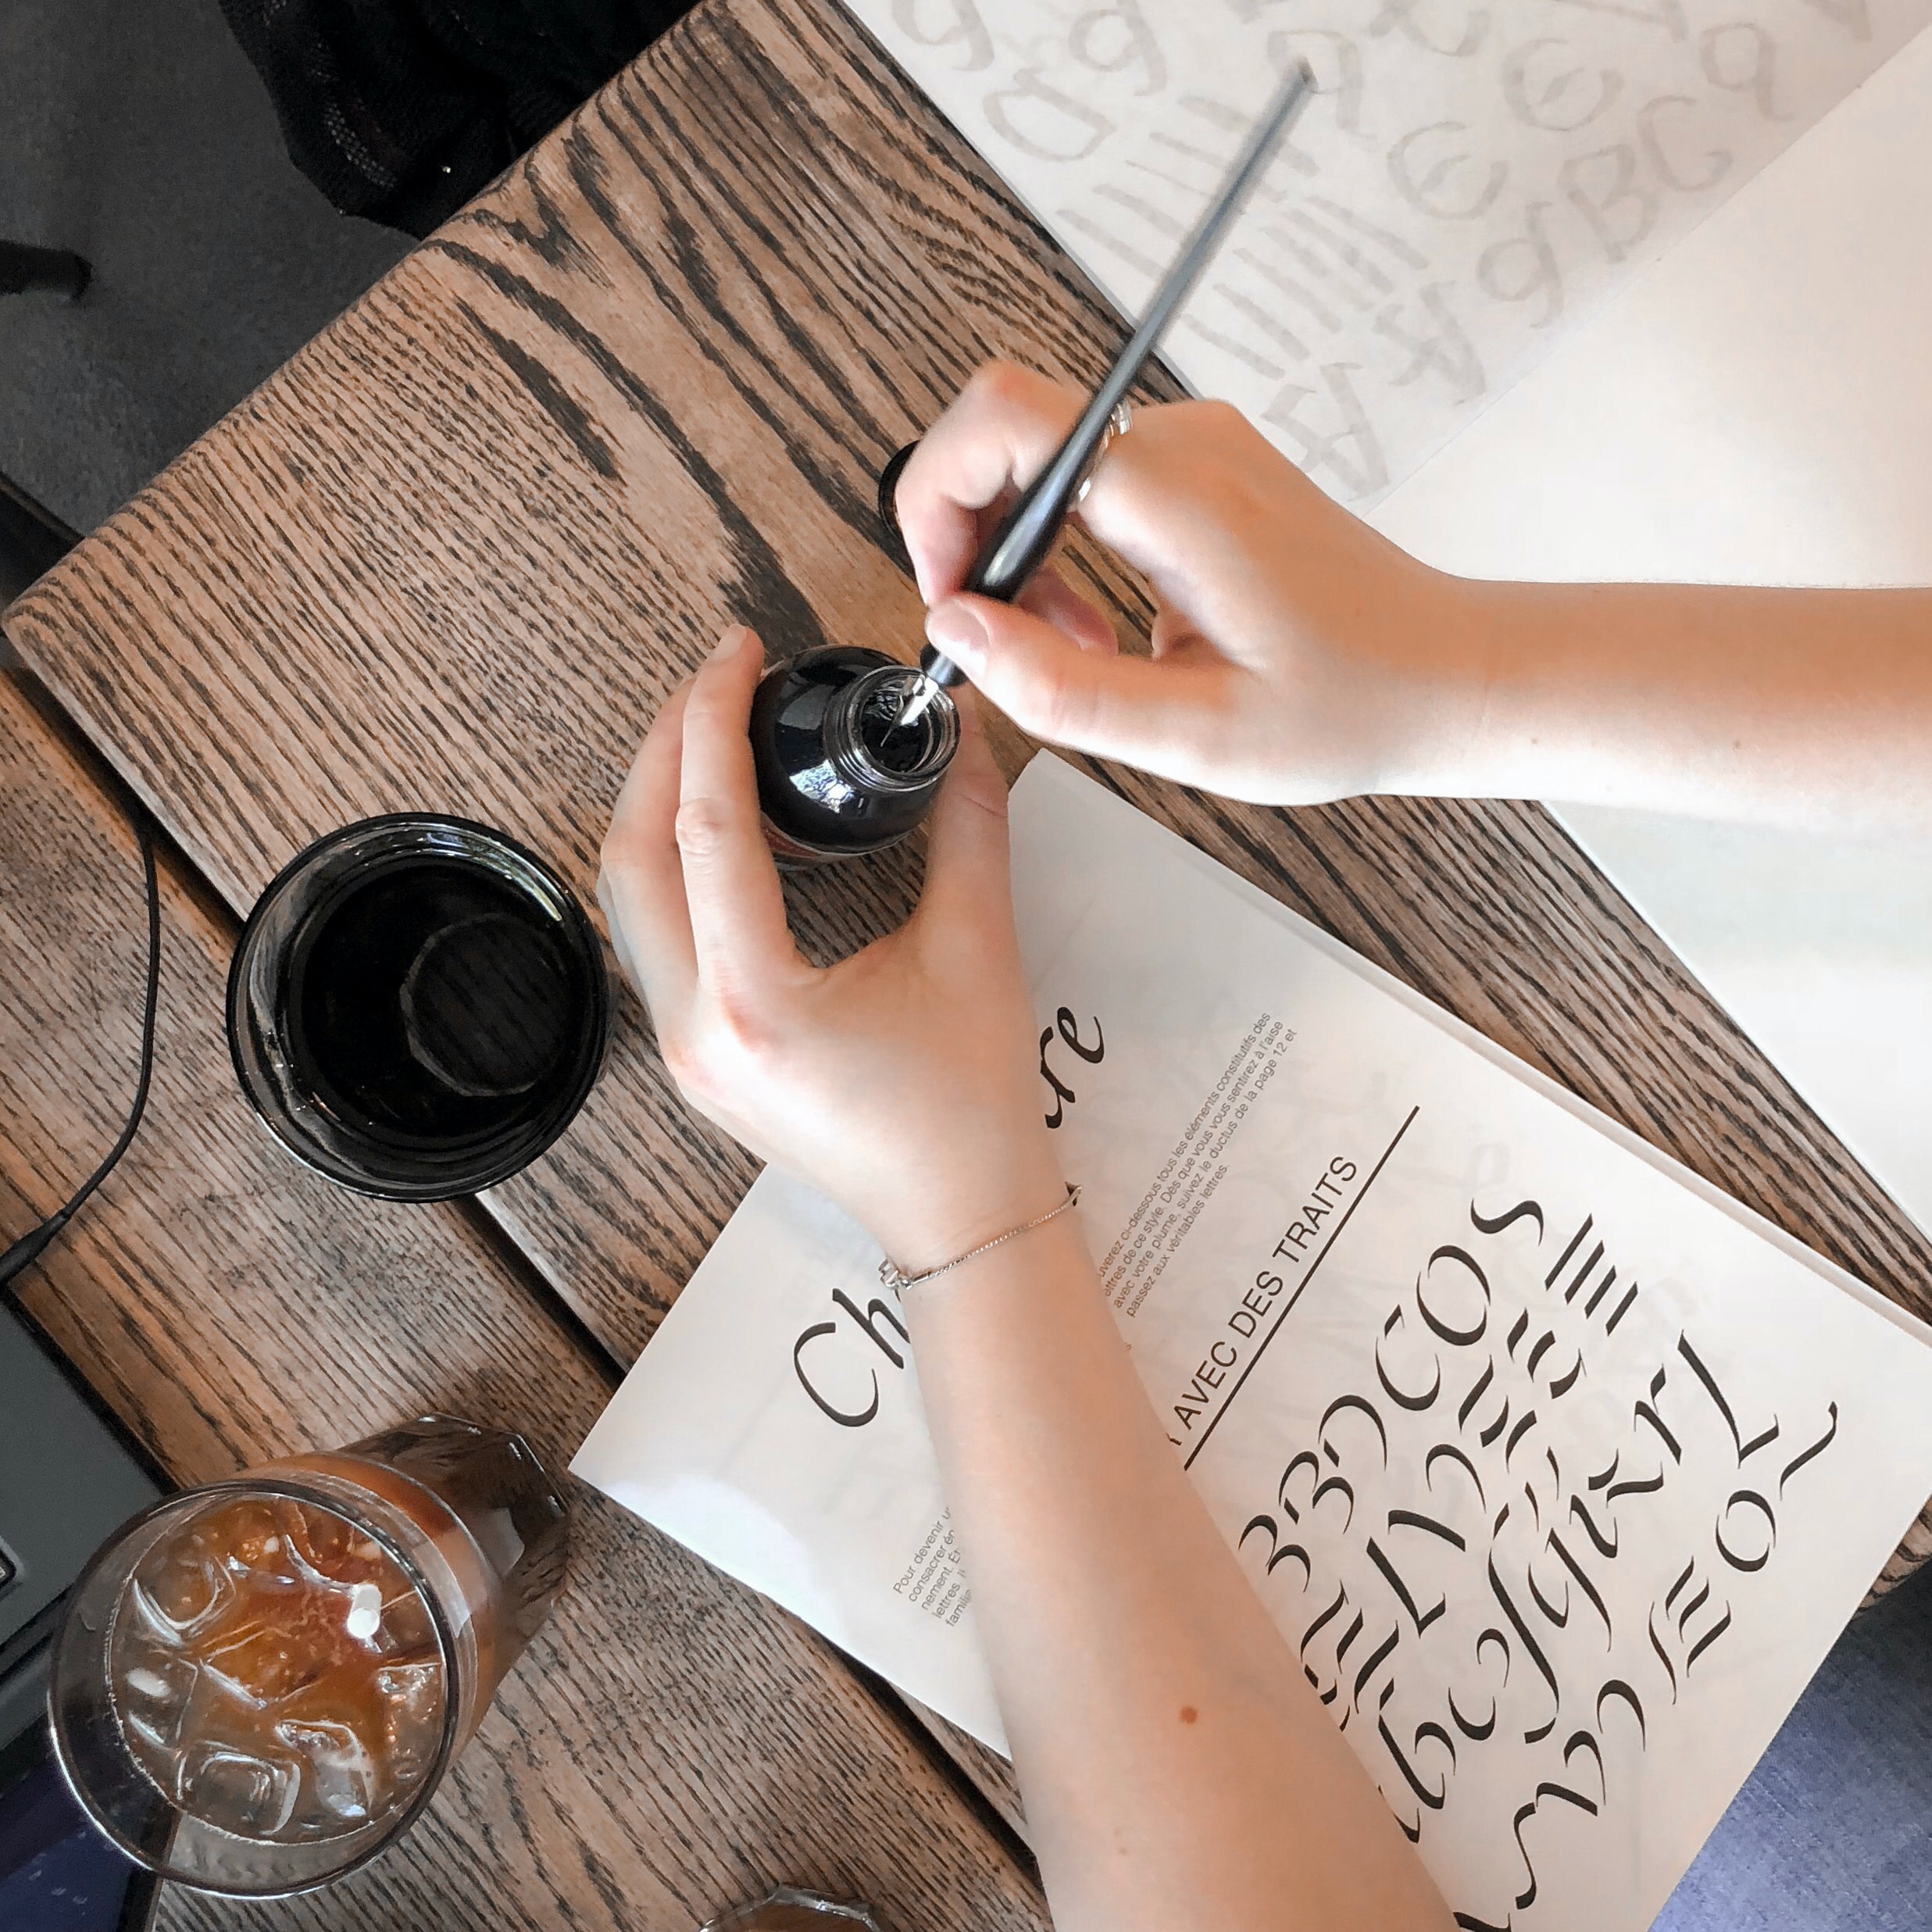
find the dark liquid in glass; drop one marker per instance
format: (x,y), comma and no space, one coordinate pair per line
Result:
(432,1003)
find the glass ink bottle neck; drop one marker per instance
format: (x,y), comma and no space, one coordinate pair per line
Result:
(839,773)
(867,746)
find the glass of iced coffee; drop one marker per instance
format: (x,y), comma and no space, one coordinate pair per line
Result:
(261,1684)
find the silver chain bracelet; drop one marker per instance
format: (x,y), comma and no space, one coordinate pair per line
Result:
(899,1281)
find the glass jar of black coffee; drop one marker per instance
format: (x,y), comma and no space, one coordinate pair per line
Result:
(841,769)
(418,1006)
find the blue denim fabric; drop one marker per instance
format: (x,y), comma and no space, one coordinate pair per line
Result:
(1834,1831)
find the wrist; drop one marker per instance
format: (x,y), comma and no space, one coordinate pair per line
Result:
(900,1280)
(931,1218)
(1441,677)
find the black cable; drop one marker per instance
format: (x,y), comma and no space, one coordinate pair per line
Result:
(30,1246)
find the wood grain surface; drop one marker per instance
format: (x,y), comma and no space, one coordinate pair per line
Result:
(455,554)
(670,1744)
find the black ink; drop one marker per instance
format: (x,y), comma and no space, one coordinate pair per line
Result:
(1456,1337)
(1455,1455)
(1093,1055)
(837,776)
(1527,1898)
(1063,1095)
(1588,1588)
(1745,1450)
(1409,1519)
(1375,1663)
(1582,1515)
(1523,1210)
(869,1323)
(1414,1404)
(845,1418)
(1475,1395)
(1278,1551)
(1616,1687)
(1342,1404)
(1817,1448)
(1421,1619)
(1751,1499)
(1282,1316)
(1562,1260)
(1536,1655)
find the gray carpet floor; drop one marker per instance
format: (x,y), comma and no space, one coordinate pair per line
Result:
(134,132)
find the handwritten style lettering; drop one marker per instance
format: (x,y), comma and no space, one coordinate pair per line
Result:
(1741,57)
(1580,136)
(1358,472)
(1114,38)
(866,1324)
(1606,189)
(946,23)
(1431,1533)
(1069,1037)
(1563,95)
(1045,121)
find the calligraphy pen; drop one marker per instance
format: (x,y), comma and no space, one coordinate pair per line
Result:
(1029,529)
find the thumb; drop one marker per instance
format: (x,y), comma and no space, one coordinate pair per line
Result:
(1162,716)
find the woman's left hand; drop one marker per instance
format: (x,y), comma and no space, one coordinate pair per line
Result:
(901,1082)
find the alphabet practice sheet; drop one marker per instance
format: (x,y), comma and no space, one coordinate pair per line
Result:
(1557,1472)
(1474,176)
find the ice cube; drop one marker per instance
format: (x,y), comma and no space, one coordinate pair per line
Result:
(406,1628)
(322,1545)
(252,1535)
(412,1706)
(252,1796)
(412,1693)
(155,1694)
(178,1589)
(265,1659)
(342,1774)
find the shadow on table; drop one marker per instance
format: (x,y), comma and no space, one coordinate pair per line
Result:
(1832,1833)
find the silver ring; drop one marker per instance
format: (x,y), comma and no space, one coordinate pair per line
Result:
(1119,422)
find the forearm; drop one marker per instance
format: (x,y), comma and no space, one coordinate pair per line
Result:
(1801,706)
(1177,1770)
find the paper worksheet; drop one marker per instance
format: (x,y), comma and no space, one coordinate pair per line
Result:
(1558,1472)
(1474,177)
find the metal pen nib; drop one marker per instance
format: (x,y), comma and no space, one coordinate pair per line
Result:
(917,699)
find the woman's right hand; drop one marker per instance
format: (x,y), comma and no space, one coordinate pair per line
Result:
(1297,656)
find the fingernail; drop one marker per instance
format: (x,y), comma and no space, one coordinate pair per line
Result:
(956,629)
(730,644)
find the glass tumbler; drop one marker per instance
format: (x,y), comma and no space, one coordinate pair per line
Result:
(417,1007)
(789,1909)
(260,1684)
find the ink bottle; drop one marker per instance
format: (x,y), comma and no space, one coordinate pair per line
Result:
(838,773)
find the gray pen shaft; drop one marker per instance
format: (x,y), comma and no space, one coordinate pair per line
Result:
(1029,530)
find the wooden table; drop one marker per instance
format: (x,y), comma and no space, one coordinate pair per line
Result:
(453,557)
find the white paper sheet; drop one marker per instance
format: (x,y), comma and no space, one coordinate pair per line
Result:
(1559,1473)
(1478,174)
(1757,409)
